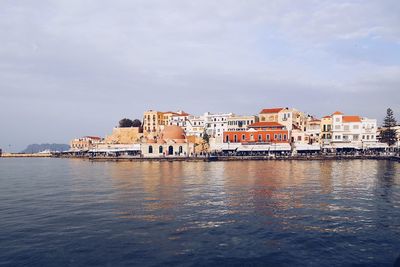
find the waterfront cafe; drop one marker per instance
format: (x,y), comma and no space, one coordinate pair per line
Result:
(263,149)
(116,150)
(307,148)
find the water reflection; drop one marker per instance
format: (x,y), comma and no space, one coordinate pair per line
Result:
(187,213)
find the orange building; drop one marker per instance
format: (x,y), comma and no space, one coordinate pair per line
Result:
(257,136)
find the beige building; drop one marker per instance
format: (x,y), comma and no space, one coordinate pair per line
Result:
(289,117)
(240,123)
(172,142)
(121,135)
(152,122)
(85,143)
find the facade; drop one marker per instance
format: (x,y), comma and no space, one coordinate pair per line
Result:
(180,119)
(269,114)
(313,130)
(326,130)
(257,136)
(152,122)
(128,135)
(288,117)
(195,126)
(171,143)
(354,130)
(216,124)
(240,123)
(85,143)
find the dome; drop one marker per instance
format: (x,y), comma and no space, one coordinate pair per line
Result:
(173,132)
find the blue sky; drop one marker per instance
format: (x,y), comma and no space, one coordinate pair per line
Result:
(70,68)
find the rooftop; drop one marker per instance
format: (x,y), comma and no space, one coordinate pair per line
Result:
(270,110)
(351,119)
(266,124)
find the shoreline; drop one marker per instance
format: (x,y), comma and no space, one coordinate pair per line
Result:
(211,158)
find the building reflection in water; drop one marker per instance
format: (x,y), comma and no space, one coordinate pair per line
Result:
(293,195)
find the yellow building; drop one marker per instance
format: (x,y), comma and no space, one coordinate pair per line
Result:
(326,129)
(152,122)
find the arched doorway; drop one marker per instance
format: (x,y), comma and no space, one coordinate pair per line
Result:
(170,150)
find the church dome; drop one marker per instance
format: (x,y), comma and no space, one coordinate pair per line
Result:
(173,132)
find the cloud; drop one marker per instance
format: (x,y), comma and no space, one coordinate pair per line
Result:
(97,61)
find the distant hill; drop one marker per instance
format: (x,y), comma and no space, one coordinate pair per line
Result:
(36,148)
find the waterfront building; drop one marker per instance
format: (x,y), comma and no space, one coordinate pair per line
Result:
(152,122)
(85,143)
(257,136)
(124,135)
(326,130)
(179,118)
(289,117)
(216,124)
(313,130)
(259,132)
(352,131)
(195,126)
(172,142)
(240,123)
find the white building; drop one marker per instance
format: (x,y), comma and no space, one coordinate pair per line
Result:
(352,130)
(216,124)
(195,126)
(240,123)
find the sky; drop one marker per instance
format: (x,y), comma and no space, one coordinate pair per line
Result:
(70,68)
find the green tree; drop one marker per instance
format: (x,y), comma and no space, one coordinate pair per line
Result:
(388,134)
(136,123)
(125,123)
(206,137)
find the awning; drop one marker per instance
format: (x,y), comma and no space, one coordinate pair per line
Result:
(117,148)
(346,145)
(375,145)
(307,147)
(264,148)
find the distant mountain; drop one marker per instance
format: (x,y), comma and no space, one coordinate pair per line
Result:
(36,148)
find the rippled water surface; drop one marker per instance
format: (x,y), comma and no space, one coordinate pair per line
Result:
(66,212)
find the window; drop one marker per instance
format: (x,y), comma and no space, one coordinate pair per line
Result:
(337,119)
(235,138)
(298,138)
(284,137)
(259,137)
(150,149)
(346,127)
(160,149)
(356,126)
(180,149)
(268,137)
(226,138)
(243,137)
(337,127)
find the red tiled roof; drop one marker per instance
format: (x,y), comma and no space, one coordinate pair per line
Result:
(351,119)
(326,117)
(93,137)
(337,113)
(265,124)
(270,110)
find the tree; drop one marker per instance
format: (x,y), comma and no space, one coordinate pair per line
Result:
(388,134)
(125,123)
(136,123)
(206,138)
